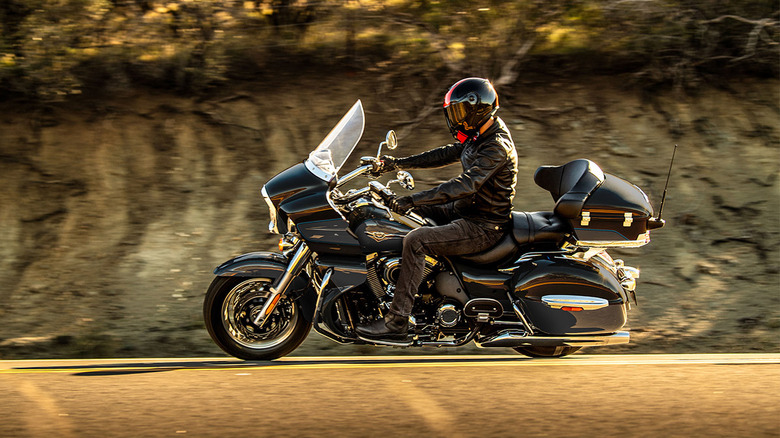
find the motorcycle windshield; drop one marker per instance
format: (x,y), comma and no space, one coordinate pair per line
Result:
(326,160)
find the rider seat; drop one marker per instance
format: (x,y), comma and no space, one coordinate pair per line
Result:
(527,228)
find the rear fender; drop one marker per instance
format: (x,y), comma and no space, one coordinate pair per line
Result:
(272,265)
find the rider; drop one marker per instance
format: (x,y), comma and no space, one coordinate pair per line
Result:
(472,211)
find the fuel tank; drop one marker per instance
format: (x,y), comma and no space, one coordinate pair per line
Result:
(374,229)
(563,295)
(381,235)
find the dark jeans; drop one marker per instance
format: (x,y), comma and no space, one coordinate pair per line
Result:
(455,237)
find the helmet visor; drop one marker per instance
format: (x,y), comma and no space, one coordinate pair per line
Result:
(456,113)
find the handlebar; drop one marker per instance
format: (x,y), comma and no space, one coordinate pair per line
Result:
(354,174)
(384,193)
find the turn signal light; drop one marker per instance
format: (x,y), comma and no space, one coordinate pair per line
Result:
(273,305)
(572,309)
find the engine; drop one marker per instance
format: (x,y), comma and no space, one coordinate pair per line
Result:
(383,274)
(441,302)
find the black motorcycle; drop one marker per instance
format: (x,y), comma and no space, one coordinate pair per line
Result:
(547,289)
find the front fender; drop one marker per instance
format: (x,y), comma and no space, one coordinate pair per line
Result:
(272,265)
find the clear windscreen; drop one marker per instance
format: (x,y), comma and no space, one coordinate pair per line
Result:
(326,160)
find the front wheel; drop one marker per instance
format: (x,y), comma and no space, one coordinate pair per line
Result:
(557,351)
(230,308)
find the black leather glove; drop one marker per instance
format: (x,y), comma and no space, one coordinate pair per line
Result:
(387,163)
(401,204)
(383,164)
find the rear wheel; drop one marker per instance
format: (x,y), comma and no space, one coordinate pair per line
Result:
(556,351)
(230,308)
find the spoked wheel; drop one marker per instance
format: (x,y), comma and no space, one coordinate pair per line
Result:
(557,351)
(229,311)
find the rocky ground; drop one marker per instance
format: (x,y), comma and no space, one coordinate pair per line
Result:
(115,211)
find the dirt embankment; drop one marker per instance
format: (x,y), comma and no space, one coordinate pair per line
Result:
(115,213)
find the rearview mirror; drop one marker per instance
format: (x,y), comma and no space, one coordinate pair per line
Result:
(391,140)
(405,179)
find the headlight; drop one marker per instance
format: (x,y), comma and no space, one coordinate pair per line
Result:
(271,211)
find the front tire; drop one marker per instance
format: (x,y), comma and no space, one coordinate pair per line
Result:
(557,351)
(229,309)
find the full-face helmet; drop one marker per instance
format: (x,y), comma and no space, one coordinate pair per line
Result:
(468,105)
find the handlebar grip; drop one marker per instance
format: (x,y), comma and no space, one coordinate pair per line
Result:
(383,192)
(386,195)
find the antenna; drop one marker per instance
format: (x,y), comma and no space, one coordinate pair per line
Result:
(657,222)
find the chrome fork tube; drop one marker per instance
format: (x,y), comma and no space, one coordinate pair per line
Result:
(296,265)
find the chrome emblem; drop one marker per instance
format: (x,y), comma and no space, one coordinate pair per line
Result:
(379,236)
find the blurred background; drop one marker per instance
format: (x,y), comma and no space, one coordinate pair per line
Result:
(135,136)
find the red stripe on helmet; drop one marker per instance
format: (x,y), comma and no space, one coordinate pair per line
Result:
(448,96)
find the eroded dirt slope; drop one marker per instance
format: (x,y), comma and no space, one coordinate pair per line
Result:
(115,213)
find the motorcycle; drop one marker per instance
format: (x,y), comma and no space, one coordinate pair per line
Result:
(546,289)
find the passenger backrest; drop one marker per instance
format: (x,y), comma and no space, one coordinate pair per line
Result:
(570,184)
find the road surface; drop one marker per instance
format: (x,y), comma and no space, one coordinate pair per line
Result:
(732,395)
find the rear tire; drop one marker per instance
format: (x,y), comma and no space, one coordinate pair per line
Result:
(557,351)
(229,309)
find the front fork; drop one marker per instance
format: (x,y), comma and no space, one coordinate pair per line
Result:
(279,288)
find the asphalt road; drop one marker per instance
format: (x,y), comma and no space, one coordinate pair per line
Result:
(479,396)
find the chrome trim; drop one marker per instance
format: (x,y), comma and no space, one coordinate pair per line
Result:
(352,175)
(642,240)
(589,253)
(628,276)
(293,268)
(515,339)
(379,236)
(333,204)
(387,343)
(631,272)
(325,280)
(271,211)
(587,303)
(319,173)
(585,219)
(520,315)
(628,219)
(532,255)
(447,308)
(508,323)
(411,220)
(353,196)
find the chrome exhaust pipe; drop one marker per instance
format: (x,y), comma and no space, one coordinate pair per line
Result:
(520,339)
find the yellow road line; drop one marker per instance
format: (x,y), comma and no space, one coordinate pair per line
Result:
(377,362)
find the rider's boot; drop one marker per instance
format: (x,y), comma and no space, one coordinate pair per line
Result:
(392,326)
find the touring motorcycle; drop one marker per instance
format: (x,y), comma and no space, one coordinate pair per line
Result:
(546,289)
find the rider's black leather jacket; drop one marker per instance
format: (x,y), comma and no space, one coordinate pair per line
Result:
(483,193)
